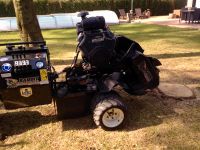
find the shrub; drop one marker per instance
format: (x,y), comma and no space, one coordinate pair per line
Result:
(158,7)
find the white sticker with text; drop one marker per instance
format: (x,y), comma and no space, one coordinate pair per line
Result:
(22,63)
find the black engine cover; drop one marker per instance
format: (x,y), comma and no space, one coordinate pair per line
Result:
(98,48)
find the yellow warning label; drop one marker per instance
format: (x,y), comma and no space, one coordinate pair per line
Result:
(43,74)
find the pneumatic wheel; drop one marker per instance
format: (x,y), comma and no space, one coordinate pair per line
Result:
(110,113)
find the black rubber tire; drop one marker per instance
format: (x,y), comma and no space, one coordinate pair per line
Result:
(98,97)
(105,103)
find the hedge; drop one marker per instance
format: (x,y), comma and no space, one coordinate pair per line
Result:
(157,7)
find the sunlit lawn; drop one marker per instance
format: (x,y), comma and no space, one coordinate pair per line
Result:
(153,123)
(178,49)
(156,40)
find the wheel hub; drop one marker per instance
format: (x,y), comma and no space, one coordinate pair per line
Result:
(113,117)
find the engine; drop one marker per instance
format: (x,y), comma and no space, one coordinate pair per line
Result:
(110,53)
(96,42)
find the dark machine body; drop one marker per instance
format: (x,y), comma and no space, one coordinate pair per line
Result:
(22,83)
(28,79)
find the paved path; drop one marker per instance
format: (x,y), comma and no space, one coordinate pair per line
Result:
(176,90)
(164,20)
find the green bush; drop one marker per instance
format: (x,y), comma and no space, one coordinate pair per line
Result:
(6,8)
(158,7)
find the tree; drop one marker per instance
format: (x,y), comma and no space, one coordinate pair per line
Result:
(27,21)
(173,4)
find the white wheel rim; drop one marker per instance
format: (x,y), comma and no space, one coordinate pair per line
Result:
(113,117)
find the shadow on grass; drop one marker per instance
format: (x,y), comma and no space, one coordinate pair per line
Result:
(13,144)
(81,123)
(176,55)
(62,62)
(143,112)
(14,123)
(146,111)
(159,56)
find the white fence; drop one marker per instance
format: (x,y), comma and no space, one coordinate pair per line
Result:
(198,3)
(56,21)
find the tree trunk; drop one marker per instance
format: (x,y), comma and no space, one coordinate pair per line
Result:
(27,21)
(173,4)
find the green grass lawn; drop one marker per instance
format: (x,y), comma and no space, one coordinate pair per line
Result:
(156,40)
(154,122)
(178,49)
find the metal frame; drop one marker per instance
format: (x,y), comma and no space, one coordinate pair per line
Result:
(23,43)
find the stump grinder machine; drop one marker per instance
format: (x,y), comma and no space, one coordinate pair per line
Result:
(27,77)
